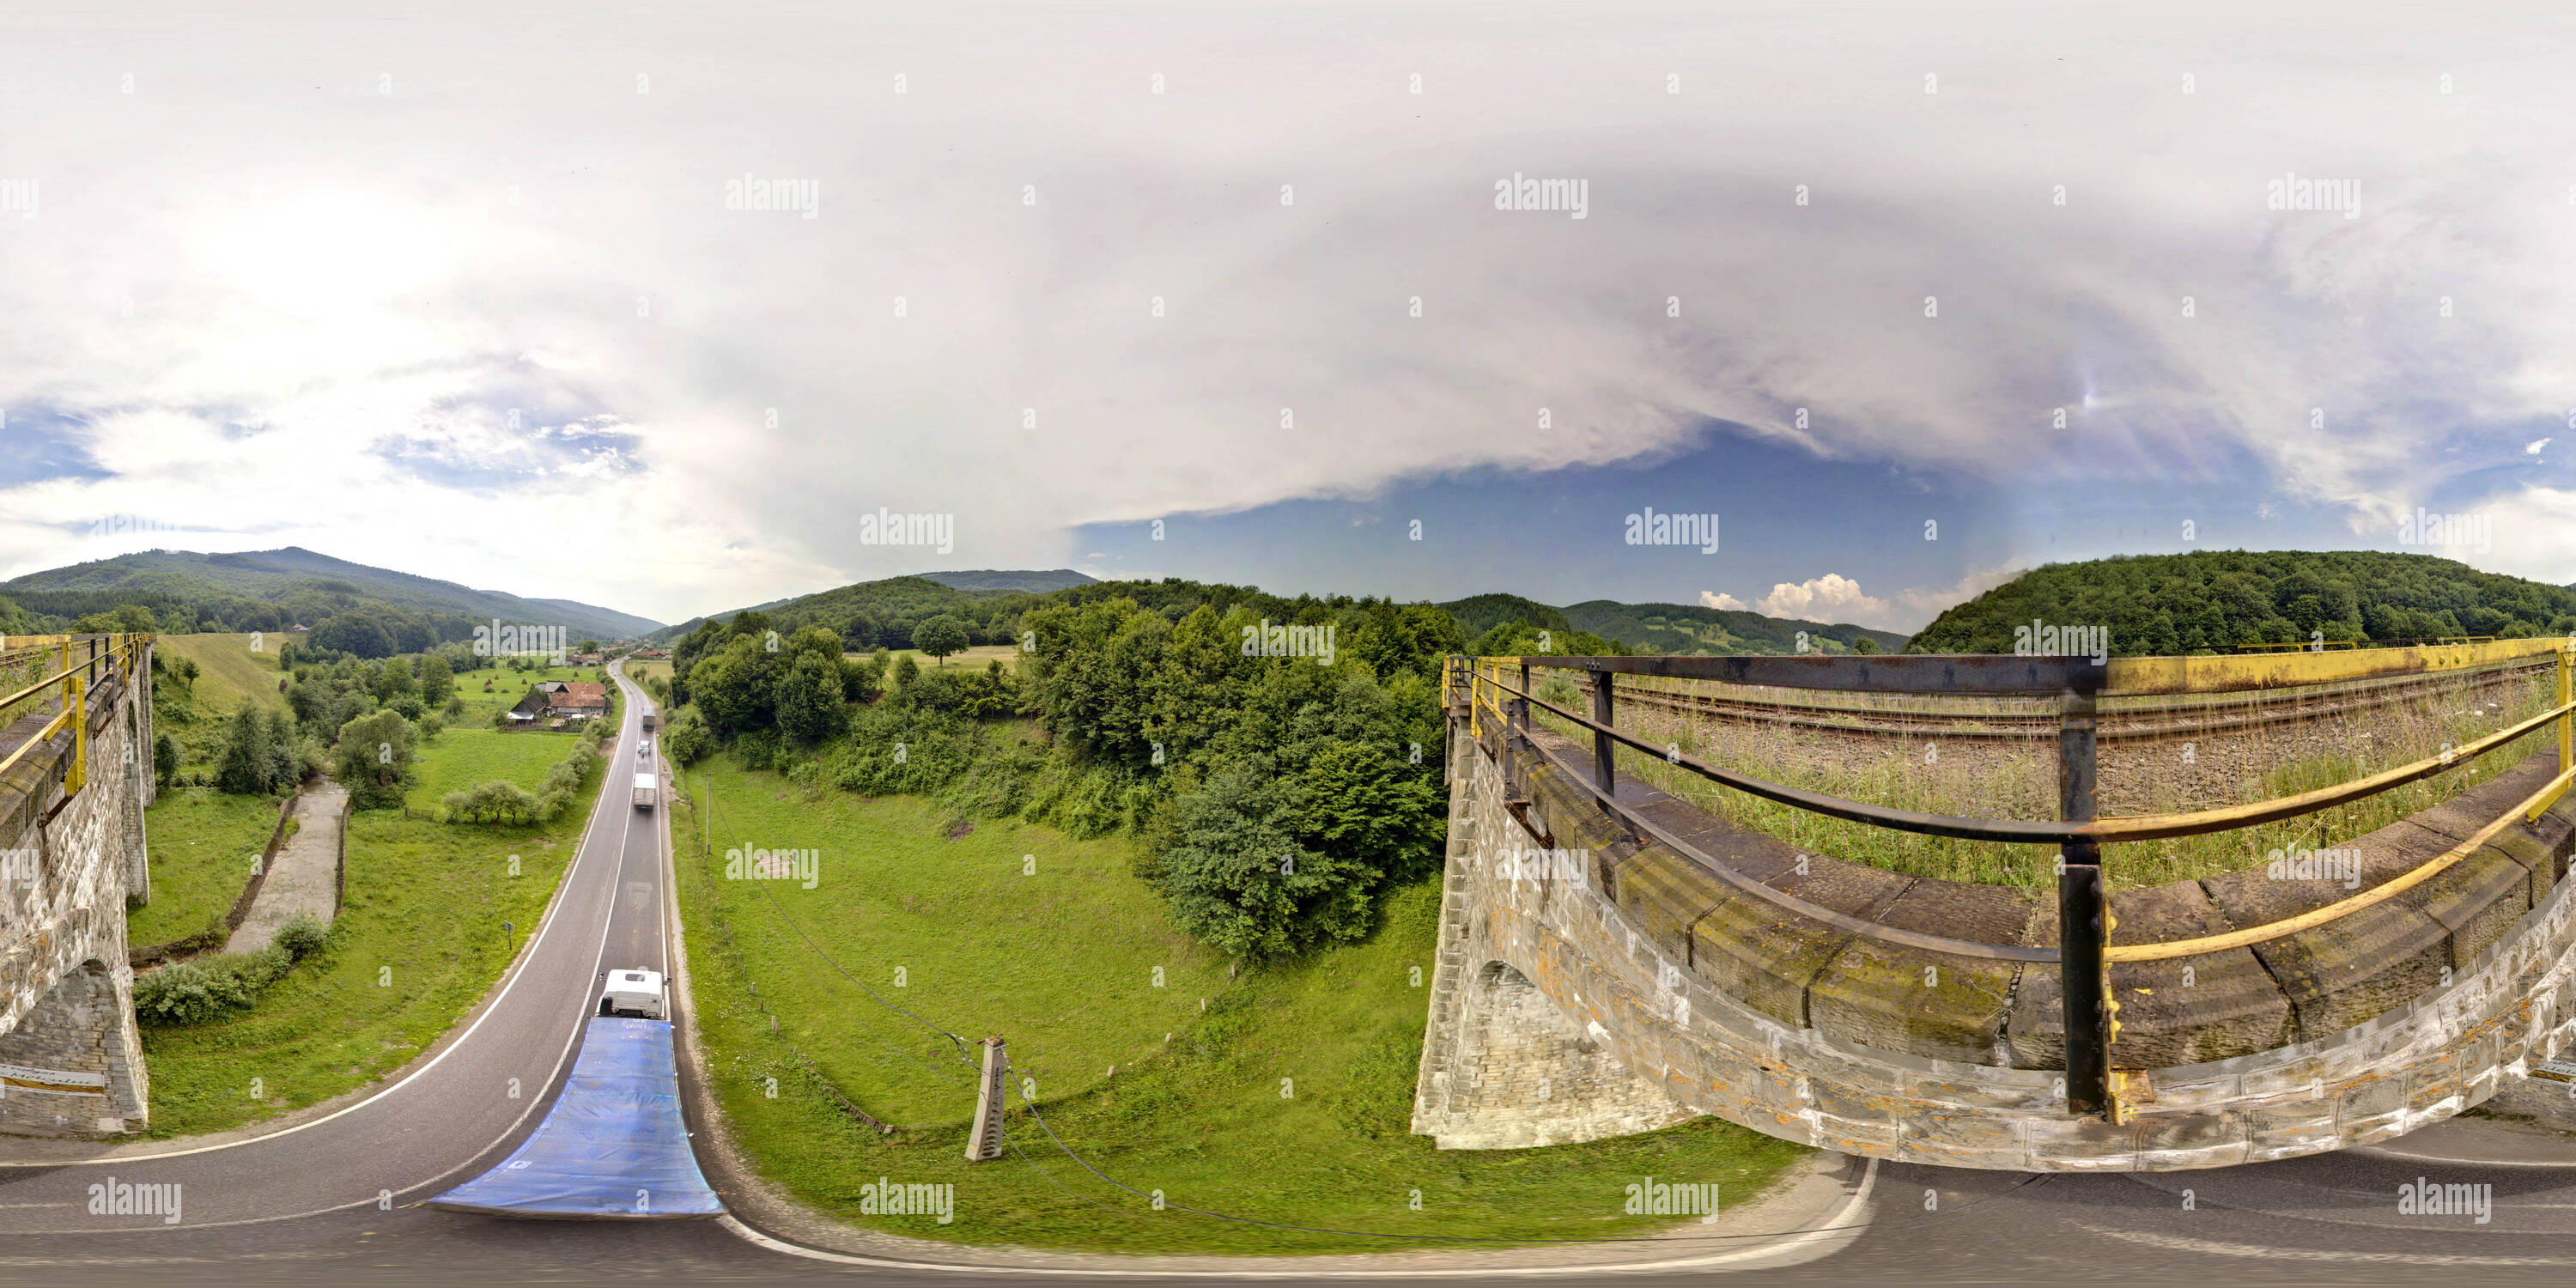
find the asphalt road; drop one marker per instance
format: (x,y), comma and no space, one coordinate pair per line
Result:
(304,1207)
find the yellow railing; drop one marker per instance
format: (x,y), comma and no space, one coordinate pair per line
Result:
(100,657)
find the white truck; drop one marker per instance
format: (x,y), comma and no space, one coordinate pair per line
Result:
(635,993)
(647,786)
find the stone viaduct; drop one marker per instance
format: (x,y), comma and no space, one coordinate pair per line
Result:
(71,856)
(1590,985)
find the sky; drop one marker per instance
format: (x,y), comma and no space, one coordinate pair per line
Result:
(665,307)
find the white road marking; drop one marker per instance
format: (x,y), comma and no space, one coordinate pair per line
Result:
(1834,1225)
(2179,1243)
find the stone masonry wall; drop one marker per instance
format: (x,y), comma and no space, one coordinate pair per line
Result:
(1722,1004)
(66,991)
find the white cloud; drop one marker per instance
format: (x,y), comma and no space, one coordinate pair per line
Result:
(1829,599)
(1723,602)
(2533,448)
(357,274)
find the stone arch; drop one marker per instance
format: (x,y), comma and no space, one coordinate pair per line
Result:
(76,1066)
(1524,1074)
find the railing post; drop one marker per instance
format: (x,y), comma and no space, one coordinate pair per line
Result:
(2083,919)
(1604,773)
(2566,722)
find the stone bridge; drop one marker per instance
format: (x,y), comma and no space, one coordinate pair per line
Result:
(71,855)
(1589,985)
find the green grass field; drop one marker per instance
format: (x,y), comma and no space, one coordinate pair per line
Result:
(202,844)
(508,687)
(1286,1100)
(425,899)
(228,671)
(974,657)
(464,757)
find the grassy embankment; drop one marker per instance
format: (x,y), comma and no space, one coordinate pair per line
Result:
(202,844)
(1287,1099)
(229,669)
(425,899)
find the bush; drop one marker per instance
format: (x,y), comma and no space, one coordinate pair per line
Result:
(303,936)
(757,749)
(430,727)
(195,992)
(686,740)
(188,993)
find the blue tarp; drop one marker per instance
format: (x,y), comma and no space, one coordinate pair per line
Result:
(613,1146)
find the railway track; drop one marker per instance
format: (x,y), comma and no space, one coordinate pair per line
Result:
(2141,723)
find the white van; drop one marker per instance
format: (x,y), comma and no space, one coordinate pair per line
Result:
(636,993)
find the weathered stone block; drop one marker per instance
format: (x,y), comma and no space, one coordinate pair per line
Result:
(1765,956)
(1937,1005)
(2339,974)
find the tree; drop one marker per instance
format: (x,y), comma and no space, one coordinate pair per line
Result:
(437,680)
(590,646)
(809,700)
(940,636)
(165,759)
(1864,645)
(373,758)
(247,766)
(686,739)
(905,670)
(188,671)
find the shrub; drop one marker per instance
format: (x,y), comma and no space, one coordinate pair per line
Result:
(303,936)
(187,993)
(758,749)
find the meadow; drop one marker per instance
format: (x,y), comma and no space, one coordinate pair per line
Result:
(1283,1093)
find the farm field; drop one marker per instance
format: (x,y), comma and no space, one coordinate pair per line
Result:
(1287,1099)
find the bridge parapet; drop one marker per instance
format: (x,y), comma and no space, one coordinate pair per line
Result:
(75,778)
(1712,1000)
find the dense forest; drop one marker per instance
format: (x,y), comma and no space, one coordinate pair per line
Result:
(2220,599)
(369,612)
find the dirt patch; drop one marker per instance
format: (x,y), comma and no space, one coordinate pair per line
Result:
(959,828)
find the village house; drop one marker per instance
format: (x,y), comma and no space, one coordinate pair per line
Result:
(561,700)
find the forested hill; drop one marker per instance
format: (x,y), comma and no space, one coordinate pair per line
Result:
(1667,628)
(2218,599)
(267,590)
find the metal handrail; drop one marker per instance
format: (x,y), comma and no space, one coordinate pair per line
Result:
(121,656)
(2084,954)
(2112,831)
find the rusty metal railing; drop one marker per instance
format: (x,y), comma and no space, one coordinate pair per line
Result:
(2083,953)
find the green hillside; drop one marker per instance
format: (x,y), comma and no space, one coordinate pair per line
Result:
(2159,605)
(992,579)
(269,590)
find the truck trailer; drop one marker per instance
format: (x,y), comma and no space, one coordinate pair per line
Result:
(647,787)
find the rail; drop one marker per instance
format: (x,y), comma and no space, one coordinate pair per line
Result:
(103,658)
(2083,952)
